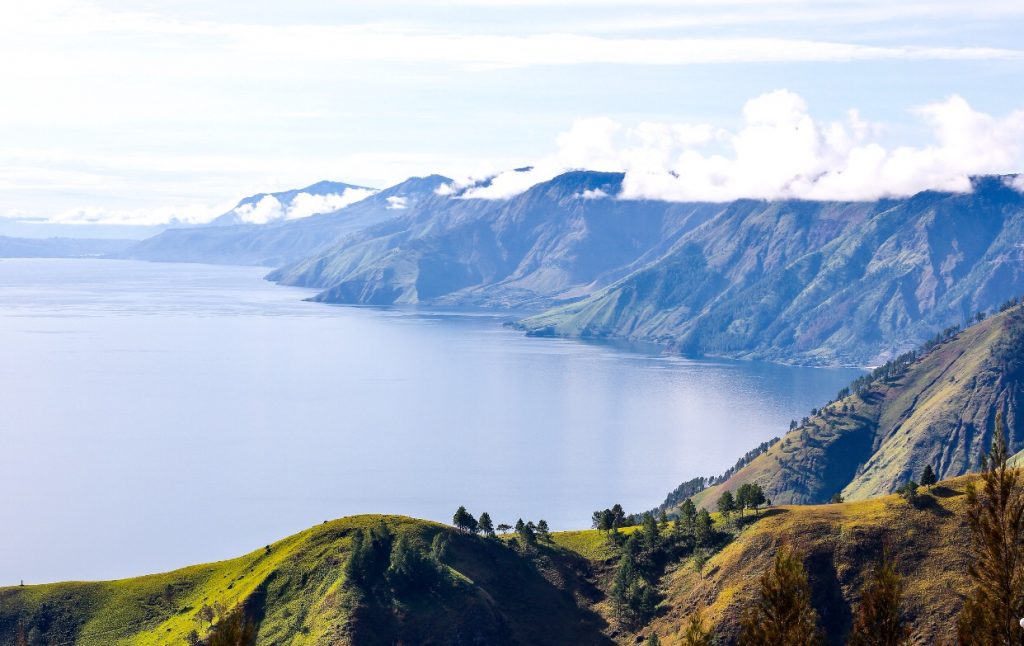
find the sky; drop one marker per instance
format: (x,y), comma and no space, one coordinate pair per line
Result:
(145,112)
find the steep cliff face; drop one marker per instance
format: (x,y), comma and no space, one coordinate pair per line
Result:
(938,410)
(549,244)
(815,282)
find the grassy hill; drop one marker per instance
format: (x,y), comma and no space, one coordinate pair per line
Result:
(937,408)
(295,592)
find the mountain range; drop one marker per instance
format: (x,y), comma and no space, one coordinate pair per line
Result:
(815,283)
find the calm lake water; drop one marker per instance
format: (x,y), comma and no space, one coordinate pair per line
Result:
(158,415)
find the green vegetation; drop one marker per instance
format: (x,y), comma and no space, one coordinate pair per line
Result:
(995,516)
(384,579)
(879,620)
(783,613)
(929,410)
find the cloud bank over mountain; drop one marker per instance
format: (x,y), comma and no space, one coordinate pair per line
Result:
(780,151)
(270,208)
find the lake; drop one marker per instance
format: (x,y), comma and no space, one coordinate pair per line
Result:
(158,415)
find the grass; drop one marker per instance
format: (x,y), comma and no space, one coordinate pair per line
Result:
(939,412)
(553,594)
(840,544)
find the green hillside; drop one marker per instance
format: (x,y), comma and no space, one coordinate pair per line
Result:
(937,408)
(296,591)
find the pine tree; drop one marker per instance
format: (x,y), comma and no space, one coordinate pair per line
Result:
(928,476)
(878,621)
(694,633)
(782,613)
(663,522)
(355,566)
(526,533)
(408,570)
(650,531)
(995,516)
(653,640)
(755,496)
(543,532)
(726,504)
(464,520)
(485,524)
(440,549)
(688,512)
(703,530)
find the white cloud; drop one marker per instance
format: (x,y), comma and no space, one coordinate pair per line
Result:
(268,208)
(781,152)
(186,214)
(303,205)
(200,48)
(306,204)
(592,194)
(397,202)
(1016,182)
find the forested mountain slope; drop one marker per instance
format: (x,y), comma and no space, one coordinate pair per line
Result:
(936,407)
(552,243)
(816,282)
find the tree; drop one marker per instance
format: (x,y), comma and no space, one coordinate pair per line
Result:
(878,621)
(995,516)
(653,640)
(650,531)
(355,566)
(503,528)
(408,570)
(618,516)
(464,520)
(542,530)
(688,512)
(703,529)
(782,612)
(192,639)
(486,527)
(526,533)
(928,476)
(440,549)
(749,495)
(694,633)
(908,491)
(726,504)
(663,522)
(631,595)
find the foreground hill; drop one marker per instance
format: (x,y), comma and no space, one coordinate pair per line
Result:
(816,282)
(937,407)
(295,591)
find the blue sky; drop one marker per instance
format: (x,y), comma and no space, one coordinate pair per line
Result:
(139,112)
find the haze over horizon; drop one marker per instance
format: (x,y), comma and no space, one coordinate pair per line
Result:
(146,113)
